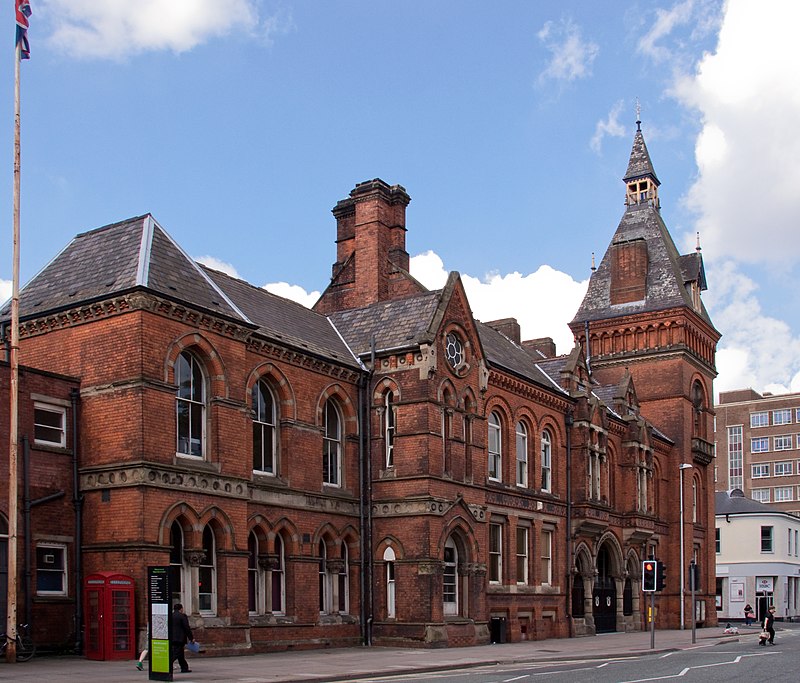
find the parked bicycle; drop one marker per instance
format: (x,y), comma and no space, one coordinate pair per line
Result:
(25,647)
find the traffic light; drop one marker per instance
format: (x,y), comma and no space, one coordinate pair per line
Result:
(649,574)
(661,577)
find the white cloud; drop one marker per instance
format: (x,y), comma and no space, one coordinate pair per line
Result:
(116,29)
(543,302)
(570,56)
(216,264)
(666,21)
(756,350)
(5,290)
(611,126)
(293,292)
(746,196)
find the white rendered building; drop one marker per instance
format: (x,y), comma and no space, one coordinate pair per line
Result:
(758,558)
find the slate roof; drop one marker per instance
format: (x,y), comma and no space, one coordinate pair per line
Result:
(666,276)
(139,254)
(668,271)
(117,258)
(736,503)
(502,352)
(640,164)
(396,324)
(283,320)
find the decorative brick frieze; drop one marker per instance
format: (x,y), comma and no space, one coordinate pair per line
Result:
(138,475)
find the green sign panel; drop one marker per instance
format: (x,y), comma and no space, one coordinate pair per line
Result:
(159,599)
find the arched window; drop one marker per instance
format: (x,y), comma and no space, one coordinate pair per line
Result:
(264,428)
(391,588)
(344,582)
(698,410)
(178,569)
(389,418)
(546,457)
(207,576)
(254,602)
(522,454)
(495,442)
(279,579)
(450,578)
(190,405)
(332,448)
(324,579)
(694,501)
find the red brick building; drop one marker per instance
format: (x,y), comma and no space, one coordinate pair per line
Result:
(48,513)
(384,468)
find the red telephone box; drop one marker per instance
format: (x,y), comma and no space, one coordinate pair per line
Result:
(109,615)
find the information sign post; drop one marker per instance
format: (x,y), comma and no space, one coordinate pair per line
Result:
(159,600)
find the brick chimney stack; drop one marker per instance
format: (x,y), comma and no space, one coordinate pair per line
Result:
(370,246)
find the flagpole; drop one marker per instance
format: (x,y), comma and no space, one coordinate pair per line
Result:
(11,621)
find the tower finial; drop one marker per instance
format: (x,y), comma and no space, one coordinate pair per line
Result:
(638,116)
(697,248)
(593,266)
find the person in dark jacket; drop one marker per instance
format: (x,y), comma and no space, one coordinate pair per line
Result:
(769,626)
(748,614)
(181,634)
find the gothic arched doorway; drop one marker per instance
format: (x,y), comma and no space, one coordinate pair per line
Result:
(604,595)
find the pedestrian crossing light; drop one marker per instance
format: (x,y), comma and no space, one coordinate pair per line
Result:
(649,575)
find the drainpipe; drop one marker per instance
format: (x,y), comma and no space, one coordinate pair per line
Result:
(361,512)
(370,564)
(568,422)
(77,504)
(26,520)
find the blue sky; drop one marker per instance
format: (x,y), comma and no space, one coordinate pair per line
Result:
(239,125)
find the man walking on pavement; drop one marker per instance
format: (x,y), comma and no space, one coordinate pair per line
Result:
(181,634)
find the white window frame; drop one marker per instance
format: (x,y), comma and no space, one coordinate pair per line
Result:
(783,494)
(784,468)
(767,539)
(255,575)
(494,446)
(759,419)
(735,457)
(208,565)
(332,446)
(546,554)
(522,554)
(782,442)
(451,578)
(782,416)
(278,574)
(391,583)
(522,454)
(761,495)
(546,456)
(61,429)
(266,424)
(759,444)
(389,427)
(759,470)
(54,548)
(196,400)
(495,553)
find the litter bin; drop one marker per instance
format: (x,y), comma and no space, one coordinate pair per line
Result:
(497,629)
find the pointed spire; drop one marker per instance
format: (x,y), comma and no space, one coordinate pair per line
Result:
(640,165)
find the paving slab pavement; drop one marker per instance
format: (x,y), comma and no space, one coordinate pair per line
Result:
(341,664)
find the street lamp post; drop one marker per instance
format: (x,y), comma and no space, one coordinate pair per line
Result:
(681,467)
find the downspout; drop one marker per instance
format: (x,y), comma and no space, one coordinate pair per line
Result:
(361,513)
(77,504)
(6,342)
(568,422)
(370,564)
(26,520)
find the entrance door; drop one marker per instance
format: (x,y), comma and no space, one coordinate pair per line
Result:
(604,595)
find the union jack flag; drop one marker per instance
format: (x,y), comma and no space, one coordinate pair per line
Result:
(23,12)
